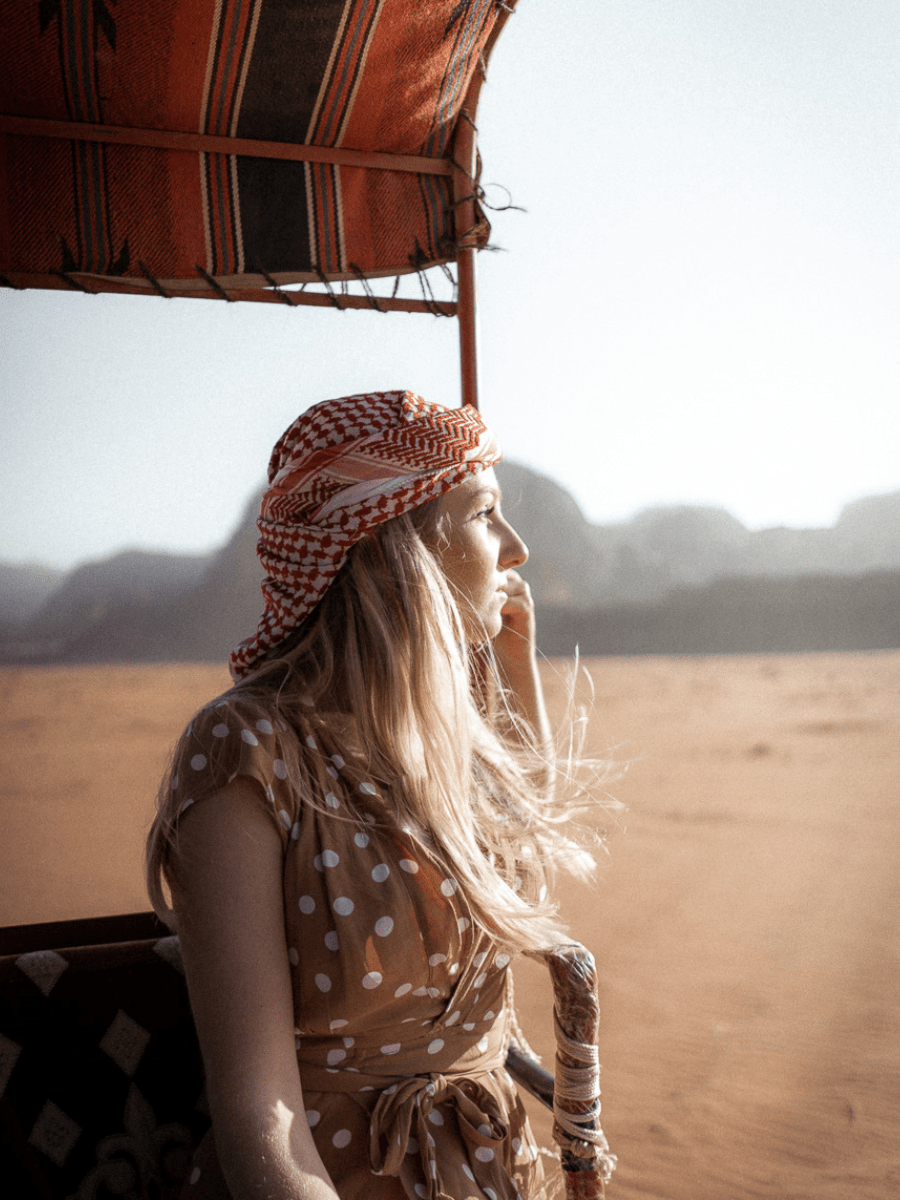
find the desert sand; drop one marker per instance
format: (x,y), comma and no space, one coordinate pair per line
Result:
(744,920)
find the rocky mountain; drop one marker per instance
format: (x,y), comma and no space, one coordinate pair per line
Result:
(670,580)
(23,589)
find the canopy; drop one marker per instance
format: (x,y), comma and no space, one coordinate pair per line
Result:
(227,148)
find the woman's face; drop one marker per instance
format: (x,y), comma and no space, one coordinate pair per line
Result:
(479,548)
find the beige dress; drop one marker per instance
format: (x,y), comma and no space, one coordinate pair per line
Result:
(400,999)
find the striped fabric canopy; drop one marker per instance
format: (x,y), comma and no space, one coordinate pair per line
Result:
(221,147)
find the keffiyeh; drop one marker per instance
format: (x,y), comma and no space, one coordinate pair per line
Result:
(342,468)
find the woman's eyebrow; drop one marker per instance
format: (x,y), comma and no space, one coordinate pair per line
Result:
(487,490)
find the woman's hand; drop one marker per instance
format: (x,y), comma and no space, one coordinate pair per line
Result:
(515,649)
(514,645)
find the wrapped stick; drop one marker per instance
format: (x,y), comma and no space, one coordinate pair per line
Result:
(584,1151)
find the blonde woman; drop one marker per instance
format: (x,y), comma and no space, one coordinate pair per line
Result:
(354,852)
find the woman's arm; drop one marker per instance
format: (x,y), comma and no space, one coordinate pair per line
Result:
(228,896)
(516,653)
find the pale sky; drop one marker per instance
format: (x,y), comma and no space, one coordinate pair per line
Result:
(700,305)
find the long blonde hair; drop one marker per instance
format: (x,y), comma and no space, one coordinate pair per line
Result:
(386,646)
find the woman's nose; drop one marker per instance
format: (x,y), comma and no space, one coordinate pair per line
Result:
(513,551)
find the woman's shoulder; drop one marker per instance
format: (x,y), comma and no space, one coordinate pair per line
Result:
(247,735)
(249,715)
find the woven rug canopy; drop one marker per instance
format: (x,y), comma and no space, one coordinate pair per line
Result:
(228,148)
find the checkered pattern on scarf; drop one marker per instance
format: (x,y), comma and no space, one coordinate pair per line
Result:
(342,468)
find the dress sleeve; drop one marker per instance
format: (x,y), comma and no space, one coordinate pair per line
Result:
(232,738)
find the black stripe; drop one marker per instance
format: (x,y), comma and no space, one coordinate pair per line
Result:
(280,95)
(274,218)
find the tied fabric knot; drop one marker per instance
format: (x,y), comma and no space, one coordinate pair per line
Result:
(343,468)
(411,1114)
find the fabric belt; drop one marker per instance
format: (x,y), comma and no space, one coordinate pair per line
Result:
(410,1106)
(401,1119)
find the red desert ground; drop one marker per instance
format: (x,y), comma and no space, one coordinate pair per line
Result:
(744,922)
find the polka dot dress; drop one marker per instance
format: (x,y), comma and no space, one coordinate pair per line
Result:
(399,997)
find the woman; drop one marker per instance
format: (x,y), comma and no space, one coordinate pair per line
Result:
(354,850)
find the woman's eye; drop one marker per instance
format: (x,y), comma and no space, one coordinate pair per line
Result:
(486,512)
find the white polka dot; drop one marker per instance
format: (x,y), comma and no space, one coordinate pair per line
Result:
(284,818)
(313,1117)
(279,766)
(448,887)
(542,894)
(372,979)
(335,1056)
(485,1130)
(337,1024)
(421,991)
(187,804)
(195,1175)
(484,1154)
(517,1144)
(469,1026)
(295,830)
(479,960)
(409,865)
(248,736)
(489,1015)
(421,1190)
(434,992)
(332,801)
(436,1046)
(306,904)
(501,961)
(220,731)
(337,760)
(368,789)
(323,983)
(343,906)
(463,924)
(402,990)
(467,1171)
(342,1139)
(331,772)
(435,1117)
(384,925)
(479,982)
(452,1019)
(392,1048)
(361,839)
(331,940)
(437,959)
(174,783)
(381,872)
(293,956)
(264,726)
(330,858)
(490,1193)
(198,762)
(454,968)
(483,1045)
(311,742)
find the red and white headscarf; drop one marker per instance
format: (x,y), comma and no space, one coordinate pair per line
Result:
(342,468)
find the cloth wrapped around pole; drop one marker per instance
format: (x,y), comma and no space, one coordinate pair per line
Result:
(584,1151)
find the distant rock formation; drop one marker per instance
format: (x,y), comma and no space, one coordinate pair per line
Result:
(23,589)
(670,580)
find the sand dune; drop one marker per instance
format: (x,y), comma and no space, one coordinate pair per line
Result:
(745,922)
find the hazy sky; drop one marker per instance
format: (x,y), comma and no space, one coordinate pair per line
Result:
(700,305)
